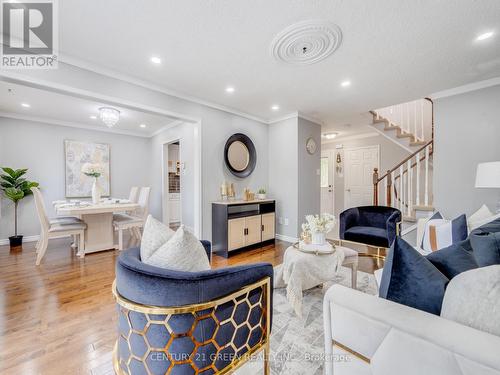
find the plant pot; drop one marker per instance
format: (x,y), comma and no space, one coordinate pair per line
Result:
(16,241)
(261,196)
(318,238)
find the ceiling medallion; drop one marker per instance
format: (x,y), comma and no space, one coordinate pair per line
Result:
(306,42)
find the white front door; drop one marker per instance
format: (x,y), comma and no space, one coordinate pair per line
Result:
(327,197)
(359,165)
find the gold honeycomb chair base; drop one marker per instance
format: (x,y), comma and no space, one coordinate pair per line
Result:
(256,298)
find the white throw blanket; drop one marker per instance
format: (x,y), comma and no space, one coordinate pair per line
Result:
(301,271)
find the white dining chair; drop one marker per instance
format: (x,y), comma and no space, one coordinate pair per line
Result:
(134,194)
(135,221)
(54,228)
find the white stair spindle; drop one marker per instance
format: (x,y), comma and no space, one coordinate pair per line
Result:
(426,191)
(415,134)
(417,183)
(407,117)
(401,192)
(422,134)
(385,190)
(409,180)
(393,193)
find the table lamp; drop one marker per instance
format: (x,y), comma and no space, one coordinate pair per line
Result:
(488,176)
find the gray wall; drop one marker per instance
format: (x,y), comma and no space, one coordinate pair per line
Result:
(309,192)
(283,173)
(467,132)
(216,126)
(390,155)
(40,147)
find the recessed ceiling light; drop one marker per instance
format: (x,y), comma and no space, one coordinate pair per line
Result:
(275,107)
(229,89)
(93,117)
(330,135)
(484,36)
(345,84)
(155,60)
(142,126)
(25,105)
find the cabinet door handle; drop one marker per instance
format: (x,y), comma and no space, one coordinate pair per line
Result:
(245,231)
(262,228)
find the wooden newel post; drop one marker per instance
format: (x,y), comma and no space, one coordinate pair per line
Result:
(375,186)
(389,188)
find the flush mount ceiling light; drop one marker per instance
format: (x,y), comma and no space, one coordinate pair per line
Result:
(229,89)
(93,117)
(155,60)
(330,135)
(110,116)
(25,105)
(484,36)
(345,83)
(306,42)
(142,126)
(275,107)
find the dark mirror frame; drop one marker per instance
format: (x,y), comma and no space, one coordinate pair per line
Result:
(251,151)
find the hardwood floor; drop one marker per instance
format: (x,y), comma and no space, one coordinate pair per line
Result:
(60,318)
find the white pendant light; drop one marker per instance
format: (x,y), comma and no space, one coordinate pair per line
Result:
(110,116)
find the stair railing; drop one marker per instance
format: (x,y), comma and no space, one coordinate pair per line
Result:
(413,118)
(407,184)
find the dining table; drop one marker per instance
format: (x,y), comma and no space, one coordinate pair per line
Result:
(99,234)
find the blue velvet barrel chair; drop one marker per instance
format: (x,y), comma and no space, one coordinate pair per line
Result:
(173,322)
(372,225)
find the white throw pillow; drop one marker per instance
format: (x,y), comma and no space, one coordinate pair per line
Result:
(154,235)
(440,233)
(472,298)
(182,252)
(478,218)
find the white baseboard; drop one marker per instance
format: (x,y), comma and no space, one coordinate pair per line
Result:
(5,241)
(286,238)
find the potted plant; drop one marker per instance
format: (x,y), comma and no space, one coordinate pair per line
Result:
(15,187)
(319,226)
(261,194)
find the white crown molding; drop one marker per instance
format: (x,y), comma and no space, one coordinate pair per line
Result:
(466,88)
(151,86)
(283,118)
(50,121)
(282,237)
(310,119)
(349,138)
(166,127)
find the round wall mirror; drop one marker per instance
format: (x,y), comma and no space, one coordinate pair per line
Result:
(240,155)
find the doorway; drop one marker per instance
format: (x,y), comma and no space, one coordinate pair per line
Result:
(358,176)
(172,210)
(327,182)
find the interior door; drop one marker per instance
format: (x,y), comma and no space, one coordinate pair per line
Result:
(359,165)
(268,223)
(253,225)
(327,194)
(236,233)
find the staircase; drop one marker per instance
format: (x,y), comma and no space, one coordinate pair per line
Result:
(408,185)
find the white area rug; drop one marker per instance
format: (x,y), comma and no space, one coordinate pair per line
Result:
(297,344)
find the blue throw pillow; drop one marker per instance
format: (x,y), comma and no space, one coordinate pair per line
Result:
(486,248)
(411,279)
(454,259)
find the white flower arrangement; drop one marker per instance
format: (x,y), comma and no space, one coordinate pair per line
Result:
(92,170)
(323,223)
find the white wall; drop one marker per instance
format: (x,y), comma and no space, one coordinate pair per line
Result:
(283,174)
(467,132)
(309,192)
(390,155)
(216,125)
(40,148)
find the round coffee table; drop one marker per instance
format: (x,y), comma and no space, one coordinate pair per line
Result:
(305,270)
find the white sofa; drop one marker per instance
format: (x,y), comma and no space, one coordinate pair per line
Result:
(365,334)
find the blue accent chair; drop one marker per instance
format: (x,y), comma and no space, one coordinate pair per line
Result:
(371,225)
(190,322)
